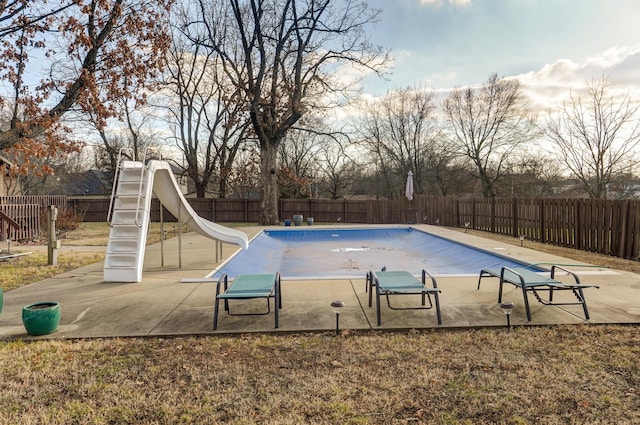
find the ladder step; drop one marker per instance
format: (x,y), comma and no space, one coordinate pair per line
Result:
(132,187)
(120,261)
(123,245)
(128,165)
(126,217)
(125,232)
(130,174)
(129,203)
(117,274)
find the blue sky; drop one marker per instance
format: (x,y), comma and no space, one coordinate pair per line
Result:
(548,44)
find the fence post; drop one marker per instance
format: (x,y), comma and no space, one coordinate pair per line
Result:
(543,237)
(514,217)
(473,213)
(579,218)
(622,241)
(346,219)
(52,243)
(634,219)
(493,215)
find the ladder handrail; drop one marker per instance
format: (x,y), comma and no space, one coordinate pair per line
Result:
(116,175)
(142,170)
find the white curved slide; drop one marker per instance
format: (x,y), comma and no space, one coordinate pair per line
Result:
(166,189)
(131,217)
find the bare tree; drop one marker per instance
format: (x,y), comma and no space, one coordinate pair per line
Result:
(530,174)
(132,134)
(597,138)
(297,152)
(337,170)
(284,54)
(624,187)
(297,163)
(372,131)
(487,125)
(207,114)
(398,131)
(244,177)
(446,172)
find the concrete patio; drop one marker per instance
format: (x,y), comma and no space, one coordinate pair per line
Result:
(162,305)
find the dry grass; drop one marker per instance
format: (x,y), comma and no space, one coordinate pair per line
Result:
(539,375)
(31,268)
(551,375)
(97,234)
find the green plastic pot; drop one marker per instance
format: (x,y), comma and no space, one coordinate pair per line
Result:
(41,318)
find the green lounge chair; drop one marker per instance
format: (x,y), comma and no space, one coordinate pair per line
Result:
(246,287)
(389,283)
(530,281)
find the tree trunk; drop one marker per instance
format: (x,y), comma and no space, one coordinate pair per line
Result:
(223,186)
(200,190)
(269,178)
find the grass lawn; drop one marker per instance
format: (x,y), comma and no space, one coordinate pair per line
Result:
(582,374)
(33,267)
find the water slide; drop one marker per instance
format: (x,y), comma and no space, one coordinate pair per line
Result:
(131,216)
(166,189)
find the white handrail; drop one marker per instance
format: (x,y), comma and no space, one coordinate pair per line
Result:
(142,171)
(116,175)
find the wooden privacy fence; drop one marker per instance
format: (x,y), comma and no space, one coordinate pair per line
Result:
(609,227)
(59,201)
(322,210)
(20,215)
(19,222)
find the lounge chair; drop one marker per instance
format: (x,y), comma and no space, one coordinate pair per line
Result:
(246,287)
(530,281)
(389,283)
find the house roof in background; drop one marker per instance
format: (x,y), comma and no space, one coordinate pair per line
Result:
(92,182)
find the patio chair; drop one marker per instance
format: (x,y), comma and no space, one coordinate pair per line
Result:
(531,281)
(389,283)
(246,287)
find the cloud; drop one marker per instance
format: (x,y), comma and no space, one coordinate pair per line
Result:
(554,83)
(547,87)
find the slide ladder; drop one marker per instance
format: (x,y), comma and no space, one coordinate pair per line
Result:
(129,220)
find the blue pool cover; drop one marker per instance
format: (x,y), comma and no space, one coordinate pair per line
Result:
(336,253)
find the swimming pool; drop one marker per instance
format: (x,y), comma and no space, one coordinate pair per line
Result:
(345,253)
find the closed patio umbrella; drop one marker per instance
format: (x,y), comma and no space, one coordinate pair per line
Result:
(409,188)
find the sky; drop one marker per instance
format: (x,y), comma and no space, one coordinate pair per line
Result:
(551,46)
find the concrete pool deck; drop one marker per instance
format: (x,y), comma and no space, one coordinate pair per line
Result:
(162,305)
